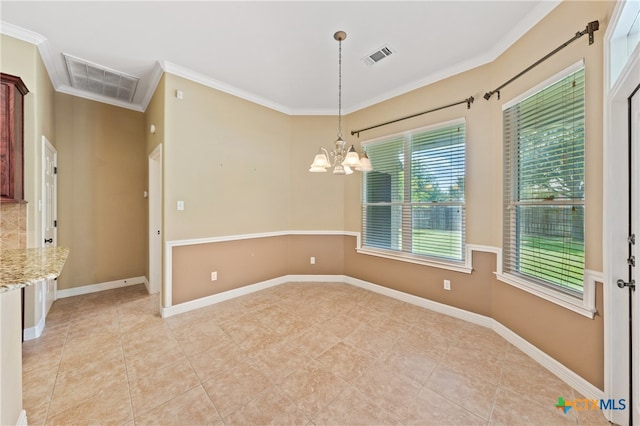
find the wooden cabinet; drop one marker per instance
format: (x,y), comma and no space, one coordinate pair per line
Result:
(12,91)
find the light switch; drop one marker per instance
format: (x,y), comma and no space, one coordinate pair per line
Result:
(180,205)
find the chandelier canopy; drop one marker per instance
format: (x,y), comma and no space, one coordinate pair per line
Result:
(342,160)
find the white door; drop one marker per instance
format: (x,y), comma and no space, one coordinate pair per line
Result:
(155,220)
(49,212)
(634,297)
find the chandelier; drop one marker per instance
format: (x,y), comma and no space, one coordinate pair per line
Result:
(342,160)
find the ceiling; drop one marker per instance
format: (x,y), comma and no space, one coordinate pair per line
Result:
(278,54)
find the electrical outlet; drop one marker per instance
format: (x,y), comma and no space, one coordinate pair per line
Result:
(312,260)
(214,276)
(447,285)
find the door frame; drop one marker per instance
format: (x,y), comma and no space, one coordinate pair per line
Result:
(50,286)
(634,296)
(46,144)
(615,201)
(155,220)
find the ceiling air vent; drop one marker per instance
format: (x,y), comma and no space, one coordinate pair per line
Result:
(378,55)
(94,78)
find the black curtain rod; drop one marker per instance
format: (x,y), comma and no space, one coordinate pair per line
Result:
(467,101)
(590,29)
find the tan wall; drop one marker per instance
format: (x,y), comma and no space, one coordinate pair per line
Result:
(227,159)
(471,292)
(483,185)
(101,180)
(574,340)
(243,262)
(238,263)
(558,26)
(23,59)
(318,199)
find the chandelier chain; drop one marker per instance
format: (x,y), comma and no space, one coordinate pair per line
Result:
(340,88)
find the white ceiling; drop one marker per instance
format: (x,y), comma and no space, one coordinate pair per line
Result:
(278,54)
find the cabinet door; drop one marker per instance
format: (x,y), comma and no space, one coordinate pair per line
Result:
(12,91)
(6,154)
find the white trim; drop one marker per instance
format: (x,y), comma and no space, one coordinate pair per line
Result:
(188,74)
(146,284)
(154,79)
(418,260)
(220,297)
(35,331)
(94,288)
(223,238)
(65,88)
(167,281)
(546,361)
(46,144)
(22,419)
(585,306)
(614,152)
(422,302)
(167,287)
(435,126)
(543,85)
(20,33)
(154,219)
(558,369)
(466,267)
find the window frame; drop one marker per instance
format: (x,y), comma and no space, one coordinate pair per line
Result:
(583,303)
(463,265)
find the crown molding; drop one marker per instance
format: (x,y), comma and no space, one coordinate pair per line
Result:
(196,77)
(154,79)
(21,33)
(103,99)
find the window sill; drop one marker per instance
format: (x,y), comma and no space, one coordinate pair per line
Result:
(419,260)
(584,306)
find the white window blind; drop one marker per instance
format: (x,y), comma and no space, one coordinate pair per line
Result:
(544,185)
(413,201)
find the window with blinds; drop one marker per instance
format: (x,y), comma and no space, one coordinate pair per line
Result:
(413,201)
(544,185)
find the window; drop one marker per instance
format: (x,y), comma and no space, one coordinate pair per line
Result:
(544,185)
(413,201)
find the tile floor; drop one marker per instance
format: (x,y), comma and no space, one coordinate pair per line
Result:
(298,353)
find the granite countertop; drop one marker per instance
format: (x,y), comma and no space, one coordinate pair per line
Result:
(23,267)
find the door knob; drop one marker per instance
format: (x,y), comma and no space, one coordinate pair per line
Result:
(622,284)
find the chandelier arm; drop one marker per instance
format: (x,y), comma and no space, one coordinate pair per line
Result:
(330,156)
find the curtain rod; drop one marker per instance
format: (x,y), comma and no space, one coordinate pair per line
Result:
(590,29)
(468,101)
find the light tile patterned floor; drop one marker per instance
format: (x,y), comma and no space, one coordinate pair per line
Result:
(307,354)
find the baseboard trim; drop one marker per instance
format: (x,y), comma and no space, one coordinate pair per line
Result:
(555,367)
(220,297)
(422,302)
(35,331)
(22,419)
(146,284)
(94,288)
